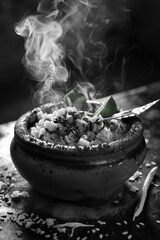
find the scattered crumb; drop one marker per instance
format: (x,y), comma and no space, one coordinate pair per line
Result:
(47,236)
(19,233)
(118,223)
(125,233)
(135,176)
(148,165)
(13,179)
(97,229)
(133,188)
(28,224)
(101,222)
(50,222)
(156,185)
(1,185)
(17,194)
(146,140)
(116,201)
(141,223)
(153,163)
(100,236)
(84,238)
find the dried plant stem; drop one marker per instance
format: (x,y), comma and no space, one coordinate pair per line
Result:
(145,187)
(72,225)
(95,102)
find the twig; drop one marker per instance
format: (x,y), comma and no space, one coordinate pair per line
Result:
(72,225)
(96,102)
(145,187)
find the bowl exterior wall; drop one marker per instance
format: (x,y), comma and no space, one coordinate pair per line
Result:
(91,182)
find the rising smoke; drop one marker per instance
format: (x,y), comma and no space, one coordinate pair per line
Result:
(66,42)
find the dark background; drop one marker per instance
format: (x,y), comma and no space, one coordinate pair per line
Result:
(134,53)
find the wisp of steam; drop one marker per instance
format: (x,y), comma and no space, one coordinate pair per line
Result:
(44,54)
(72,30)
(47,43)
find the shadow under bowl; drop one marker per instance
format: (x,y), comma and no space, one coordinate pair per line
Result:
(77,173)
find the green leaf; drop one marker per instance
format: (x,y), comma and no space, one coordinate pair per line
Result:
(76,98)
(108,108)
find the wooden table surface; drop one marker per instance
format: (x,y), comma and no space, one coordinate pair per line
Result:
(34,216)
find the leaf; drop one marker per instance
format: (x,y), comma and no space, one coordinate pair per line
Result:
(76,98)
(108,108)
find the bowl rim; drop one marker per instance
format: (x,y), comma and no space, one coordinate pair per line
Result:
(130,140)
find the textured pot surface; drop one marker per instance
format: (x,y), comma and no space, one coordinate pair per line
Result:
(92,173)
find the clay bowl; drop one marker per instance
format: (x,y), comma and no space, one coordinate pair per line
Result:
(76,173)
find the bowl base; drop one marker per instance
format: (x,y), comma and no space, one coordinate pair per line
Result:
(121,204)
